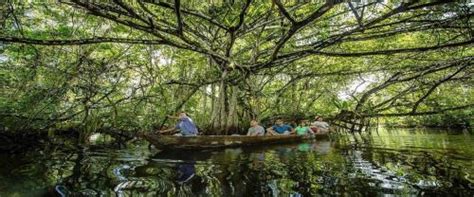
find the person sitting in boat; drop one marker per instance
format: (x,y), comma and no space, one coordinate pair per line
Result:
(185,126)
(280,129)
(319,126)
(255,129)
(303,129)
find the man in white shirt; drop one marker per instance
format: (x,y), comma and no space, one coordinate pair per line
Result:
(319,126)
(255,129)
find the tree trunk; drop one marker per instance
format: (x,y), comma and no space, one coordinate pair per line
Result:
(232,116)
(225,104)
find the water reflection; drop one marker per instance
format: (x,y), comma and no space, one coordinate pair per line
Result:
(388,163)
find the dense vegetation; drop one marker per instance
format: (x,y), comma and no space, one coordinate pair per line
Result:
(126,65)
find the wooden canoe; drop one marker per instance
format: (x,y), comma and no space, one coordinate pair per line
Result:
(220,141)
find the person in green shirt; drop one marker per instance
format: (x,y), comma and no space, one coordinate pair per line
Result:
(303,129)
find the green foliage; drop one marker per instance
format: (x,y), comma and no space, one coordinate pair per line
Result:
(384,68)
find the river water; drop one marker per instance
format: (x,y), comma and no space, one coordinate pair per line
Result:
(393,162)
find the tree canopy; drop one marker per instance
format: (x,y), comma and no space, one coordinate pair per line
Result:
(128,64)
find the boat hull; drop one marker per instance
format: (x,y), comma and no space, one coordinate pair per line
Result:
(219,141)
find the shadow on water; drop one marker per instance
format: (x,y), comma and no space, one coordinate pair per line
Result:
(390,163)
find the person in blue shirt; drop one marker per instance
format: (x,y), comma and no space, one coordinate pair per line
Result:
(280,129)
(185,126)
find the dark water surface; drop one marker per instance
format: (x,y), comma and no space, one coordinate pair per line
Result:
(391,163)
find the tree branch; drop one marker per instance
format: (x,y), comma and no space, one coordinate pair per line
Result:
(395,51)
(358,18)
(179,20)
(188,12)
(438,83)
(283,11)
(463,107)
(85,41)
